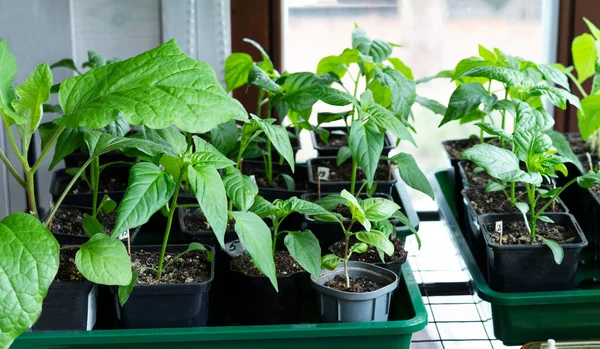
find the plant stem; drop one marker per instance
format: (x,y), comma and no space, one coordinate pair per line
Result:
(31,193)
(66,191)
(108,164)
(95,182)
(513,200)
(261,94)
(11,169)
(533,218)
(554,197)
(503,112)
(353,180)
(269,162)
(576,83)
(14,146)
(275,233)
(47,148)
(168,229)
(346,260)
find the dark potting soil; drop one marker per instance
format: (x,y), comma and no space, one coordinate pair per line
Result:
(69,221)
(190,268)
(261,179)
(479,179)
(578,145)
(516,233)
(359,285)
(371,256)
(335,141)
(195,221)
(496,202)
(285,265)
(455,147)
(343,173)
(107,184)
(67,271)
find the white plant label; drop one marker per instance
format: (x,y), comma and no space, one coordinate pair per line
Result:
(323,173)
(499,227)
(124,235)
(253,178)
(235,249)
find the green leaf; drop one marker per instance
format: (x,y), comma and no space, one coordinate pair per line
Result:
(523,208)
(157,89)
(466,65)
(330,202)
(240,189)
(384,226)
(119,127)
(65,63)
(508,76)
(7,90)
(564,148)
(255,236)
(99,143)
(532,119)
(224,137)
(33,93)
(529,143)
(263,208)
(330,261)
(588,119)
(400,66)
(125,291)
(27,268)
(464,101)
(304,248)
(556,248)
(378,50)
(324,117)
(172,165)
(593,29)
(294,204)
(557,96)
(95,60)
(360,247)
(206,154)
(107,205)
(554,75)
(356,210)
(378,209)
(207,186)
(149,189)
(494,130)
(492,186)
(92,226)
(267,64)
(589,179)
(104,261)
(546,219)
(377,239)
(260,78)
(433,105)
(343,154)
(411,174)
(487,54)
(290,182)
(338,64)
(385,119)
(69,140)
(402,89)
(280,139)
(172,137)
(500,163)
(366,144)
(584,54)
(237,68)
(332,96)
(298,89)
(194,246)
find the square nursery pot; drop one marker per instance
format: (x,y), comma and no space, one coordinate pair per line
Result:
(531,268)
(337,135)
(68,306)
(481,178)
(257,168)
(341,306)
(383,186)
(117,176)
(165,305)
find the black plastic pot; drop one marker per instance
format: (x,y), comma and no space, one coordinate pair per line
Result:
(329,186)
(300,174)
(60,180)
(165,305)
(68,306)
(79,157)
(333,151)
(340,306)
(530,268)
(202,236)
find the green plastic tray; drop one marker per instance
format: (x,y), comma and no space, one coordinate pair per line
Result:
(408,315)
(525,317)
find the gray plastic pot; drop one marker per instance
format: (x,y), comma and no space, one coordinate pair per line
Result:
(340,306)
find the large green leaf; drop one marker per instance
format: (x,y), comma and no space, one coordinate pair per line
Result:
(237,68)
(266,64)
(377,239)
(149,189)
(557,251)
(356,210)
(529,143)
(260,78)
(554,75)
(378,209)
(411,174)
(593,29)
(385,119)
(33,93)
(378,50)
(173,138)
(589,179)
(224,136)
(366,144)
(209,190)
(240,189)
(263,208)
(332,96)
(588,119)
(305,249)
(433,105)
(7,90)
(298,89)
(28,265)
(157,88)
(529,118)
(255,236)
(294,204)
(280,139)
(557,96)
(508,76)
(401,67)
(466,65)
(104,261)
(464,101)
(402,90)
(500,163)
(100,142)
(69,140)
(584,53)
(338,64)
(206,154)
(560,142)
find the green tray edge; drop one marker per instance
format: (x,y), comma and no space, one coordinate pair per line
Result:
(443,189)
(408,207)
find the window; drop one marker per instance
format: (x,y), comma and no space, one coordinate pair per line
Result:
(435,35)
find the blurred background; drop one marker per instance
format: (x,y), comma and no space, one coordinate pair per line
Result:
(434,34)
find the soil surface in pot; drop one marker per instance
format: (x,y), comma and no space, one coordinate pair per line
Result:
(107,184)
(479,179)
(455,147)
(69,221)
(191,268)
(343,173)
(278,181)
(336,140)
(67,271)
(578,145)
(285,265)
(195,221)
(359,285)
(496,202)
(517,233)
(371,256)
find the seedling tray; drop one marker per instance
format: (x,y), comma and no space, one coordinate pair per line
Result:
(531,316)
(408,316)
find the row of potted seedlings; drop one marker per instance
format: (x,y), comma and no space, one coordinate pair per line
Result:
(525,191)
(172,193)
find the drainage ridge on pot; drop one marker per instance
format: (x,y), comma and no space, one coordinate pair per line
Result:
(68,306)
(166,305)
(341,306)
(531,268)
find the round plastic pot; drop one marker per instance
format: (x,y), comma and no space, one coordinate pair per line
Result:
(340,306)
(68,306)
(165,305)
(330,186)
(531,268)
(333,151)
